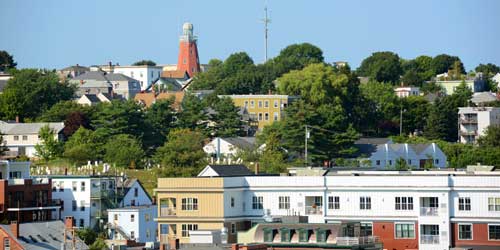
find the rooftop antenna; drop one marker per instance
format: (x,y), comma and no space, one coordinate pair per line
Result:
(266,21)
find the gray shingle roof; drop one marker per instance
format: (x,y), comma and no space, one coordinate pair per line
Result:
(119,77)
(241,142)
(42,235)
(366,146)
(231,170)
(91,75)
(483,97)
(28,128)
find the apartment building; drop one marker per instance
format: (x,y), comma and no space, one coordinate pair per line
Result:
(406,210)
(133,223)
(263,109)
(145,74)
(473,122)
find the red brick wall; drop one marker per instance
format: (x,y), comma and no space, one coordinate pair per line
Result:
(386,232)
(189,51)
(14,245)
(479,236)
(27,189)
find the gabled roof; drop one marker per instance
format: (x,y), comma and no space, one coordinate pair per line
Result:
(91,75)
(366,146)
(28,128)
(149,98)
(76,68)
(128,184)
(119,77)
(42,235)
(225,171)
(483,97)
(92,98)
(241,142)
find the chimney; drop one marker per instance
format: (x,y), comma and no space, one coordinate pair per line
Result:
(77,65)
(17,119)
(235,247)
(256,168)
(154,200)
(69,222)
(14,227)
(65,171)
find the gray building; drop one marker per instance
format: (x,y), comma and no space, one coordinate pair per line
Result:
(114,85)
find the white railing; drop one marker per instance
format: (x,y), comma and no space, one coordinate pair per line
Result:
(40,180)
(16,182)
(314,210)
(347,241)
(429,211)
(429,239)
(166,211)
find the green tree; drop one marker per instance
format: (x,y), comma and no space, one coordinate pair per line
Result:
(415,112)
(50,147)
(30,92)
(193,115)
(3,147)
(383,107)
(119,117)
(489,69)
(296,57)
(442,63)
(60,111)
(382,66)
(144,63)
(491,137)
(227,119)
(82,146)
(160,118)
(88,235)
(182,153)
(123,150)
(99,244)
(401,164)
(6,61)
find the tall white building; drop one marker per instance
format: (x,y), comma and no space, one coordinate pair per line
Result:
(133,223)
(473,122)
(146,75)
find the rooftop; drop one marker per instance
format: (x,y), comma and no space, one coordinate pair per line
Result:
(28,128)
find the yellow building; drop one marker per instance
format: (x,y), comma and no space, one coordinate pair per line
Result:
(186,204)
(263,109)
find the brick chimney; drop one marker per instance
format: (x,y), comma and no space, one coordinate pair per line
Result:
(69,222)
(17,119)
(14,227)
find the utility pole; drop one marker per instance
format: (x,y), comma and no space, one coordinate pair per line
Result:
(266,21)
(305,148)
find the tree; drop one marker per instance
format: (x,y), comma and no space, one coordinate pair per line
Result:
(442,63)
(456,70)
(119,117)
(50,147)
(193,114)
(144,63)
(296,57)
(88,235)
(60,111)
(6,61)
(183,152)
(382,66)
(123,150)
(74,121)
(489,69)
(3,147)
(491,137)
(401,164)
(412,78)
(226,118)
(383,107)
(415,112)
(99,244)
(82,146)
(160,119)
(30,92)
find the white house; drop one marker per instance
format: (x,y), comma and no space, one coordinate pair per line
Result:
(228,147)
(407,91)
(473,122)
(21,138)
(133,193)
(133,223)
(415,155)
(146,75)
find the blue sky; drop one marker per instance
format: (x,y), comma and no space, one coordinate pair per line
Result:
(55,34)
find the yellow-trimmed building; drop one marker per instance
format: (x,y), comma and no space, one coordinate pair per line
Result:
(263,109)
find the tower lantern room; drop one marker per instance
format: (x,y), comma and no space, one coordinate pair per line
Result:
(188,51)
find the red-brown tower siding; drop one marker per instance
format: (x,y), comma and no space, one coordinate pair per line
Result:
(188,58)
(386,232)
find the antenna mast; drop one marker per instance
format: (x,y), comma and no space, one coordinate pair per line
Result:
(266,21)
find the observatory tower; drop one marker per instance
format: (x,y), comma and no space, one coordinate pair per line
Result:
(188,51)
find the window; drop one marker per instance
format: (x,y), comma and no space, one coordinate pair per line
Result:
(266,116)
(284,202)
(61,186)
(132,74)
(25,137)
(404,203)
(16,137)
(132,218)
(82,223)
(275,116)
(74,184)
(184,61)
(147,217)
(365,203)
(494,232)
(390,162)
(115,216)
(465,231)
(136,192)
(333,202)
(252,104)
(82,186)
(366,229)
(405,231)
(6,243)
(148,233)
(266,104)
(188,227)
(246,104)
(233,228)
(275,104)
(260,104)
(257,202)
(232,201)
(437,161)
(464,204)
(54,186)
(73,205)
(378,162)
(260,116)
(132,234)
(62,205)
(189,204)
(494,204)
(82,205)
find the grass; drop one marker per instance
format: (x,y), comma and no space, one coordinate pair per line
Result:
(148,178)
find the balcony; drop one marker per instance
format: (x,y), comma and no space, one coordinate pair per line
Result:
(351,241)
(167,211)
(98,194)
(468,132)
(429,239)
(314,210)
(429,211)
(33,205)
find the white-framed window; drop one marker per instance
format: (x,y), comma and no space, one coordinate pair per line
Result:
(464,203)
(115,216)
(366,229)
(233,228)
(75,185)
(136,192)
(260,116)
(82,223)
(464,231)
(333,202)
(132,217)
(25,137)
(252,104)
(82,205)
(365,203)
(404,231)
(276,103)
(260,104)
(232,201)
(16,137)
(266,104)
(404,203)
(188,227)
(284,202)
(82,186)
(266,116)
(494,203)
(493,231)
(132,234)
(6,243)
(257,202)
(73,205)
(189,204)
(61,186)
(275,116)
